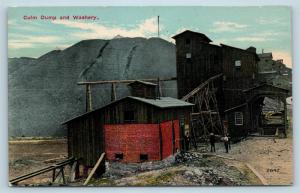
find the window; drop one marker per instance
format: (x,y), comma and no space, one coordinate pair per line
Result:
(118,156)
(238,63)
(188,55)
(238,118)
(129,116)
(143,157)
(187,42)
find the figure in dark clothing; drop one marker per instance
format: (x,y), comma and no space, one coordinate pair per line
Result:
(226,143)
(212,139)
(187,142)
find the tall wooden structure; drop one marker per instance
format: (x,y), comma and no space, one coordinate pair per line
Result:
(221,98)
(196,60)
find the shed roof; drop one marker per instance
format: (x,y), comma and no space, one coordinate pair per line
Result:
(163,103)
(197,33)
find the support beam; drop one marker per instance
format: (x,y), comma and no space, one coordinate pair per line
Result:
(89,106)
(113,92)
(94,169)
(122,81)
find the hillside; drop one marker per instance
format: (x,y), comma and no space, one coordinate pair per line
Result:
(43,92)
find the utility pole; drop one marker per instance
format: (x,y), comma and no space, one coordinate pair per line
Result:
(158,26)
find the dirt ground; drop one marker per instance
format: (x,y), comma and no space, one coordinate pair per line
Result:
(271,158)
(28,155)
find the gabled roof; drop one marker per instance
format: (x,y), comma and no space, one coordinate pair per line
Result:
(162,102)
(143,82)
(197,33)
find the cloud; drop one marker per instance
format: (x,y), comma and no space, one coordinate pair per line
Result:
(30,41)
(226,26)
(93,30)
(286,56)
(270,21)
(258,37)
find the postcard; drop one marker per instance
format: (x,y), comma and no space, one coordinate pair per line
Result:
(150,96)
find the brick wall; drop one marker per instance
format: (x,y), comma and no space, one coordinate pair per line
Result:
(134,139)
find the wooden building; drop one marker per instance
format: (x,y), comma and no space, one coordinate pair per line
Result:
(239,72)
(198,61)
(143,89)
(131,129)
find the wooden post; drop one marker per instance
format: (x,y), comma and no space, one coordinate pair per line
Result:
(113,92)
(94,169)
(63,175)
(158,89)
(73,171)
(53,175)
(88,98)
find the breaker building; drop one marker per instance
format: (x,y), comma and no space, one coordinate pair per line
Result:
(222,81)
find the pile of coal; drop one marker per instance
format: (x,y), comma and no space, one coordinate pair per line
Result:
(187,157)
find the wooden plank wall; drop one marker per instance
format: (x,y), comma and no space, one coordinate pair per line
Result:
(205,62)
(85,134)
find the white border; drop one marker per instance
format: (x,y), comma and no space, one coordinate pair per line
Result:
(3,89)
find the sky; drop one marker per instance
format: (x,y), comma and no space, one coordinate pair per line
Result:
(267,28)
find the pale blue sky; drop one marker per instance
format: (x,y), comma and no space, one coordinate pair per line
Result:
(267,28)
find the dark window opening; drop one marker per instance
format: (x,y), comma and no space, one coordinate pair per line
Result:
(119,156)
(129,116)
(143,157)
(187,41)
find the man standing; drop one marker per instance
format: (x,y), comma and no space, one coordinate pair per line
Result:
(212,140)
(226,143)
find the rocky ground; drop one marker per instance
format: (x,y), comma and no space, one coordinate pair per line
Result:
(255,161)
(188,169)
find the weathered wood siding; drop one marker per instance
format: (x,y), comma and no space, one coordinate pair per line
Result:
(237,132)
(239,77)
(140,90)
(85,134)
(85,138)
(205,62)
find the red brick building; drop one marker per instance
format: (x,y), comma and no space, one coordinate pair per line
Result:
(131,129)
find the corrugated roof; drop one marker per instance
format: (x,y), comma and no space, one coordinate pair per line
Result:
(163,102)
